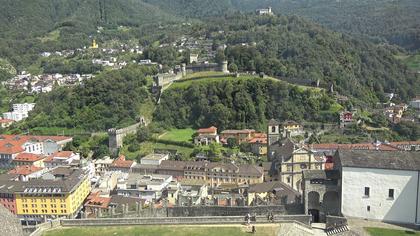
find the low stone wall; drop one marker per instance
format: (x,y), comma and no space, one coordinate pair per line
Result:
(335,221)
(300,219)
(45,226)
(231,211)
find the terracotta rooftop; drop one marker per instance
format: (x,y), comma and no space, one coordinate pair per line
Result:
(25,170)
(355,146)
(6,121)
(10,147)
(234,131)
(28,157)
(12,144)
(94,200)
(262,140)
(61,155)
(211,129)
(120,162)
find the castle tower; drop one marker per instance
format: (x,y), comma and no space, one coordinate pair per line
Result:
(224,67)
(184,69)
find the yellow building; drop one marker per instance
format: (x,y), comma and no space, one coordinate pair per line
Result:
(58,193)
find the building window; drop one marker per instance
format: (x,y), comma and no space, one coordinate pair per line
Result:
(391,193)
(368,208)
(273,129)
(367,191)
(288,180)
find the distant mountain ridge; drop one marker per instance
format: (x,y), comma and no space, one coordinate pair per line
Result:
(26,18)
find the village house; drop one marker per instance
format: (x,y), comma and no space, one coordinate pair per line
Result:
(346,118)
(265,11)
(274,192)
(154,159)
(147,187)
(4,123)
(26,172)
(102,165)
(29,159)
(12,145)
(62,158)
(239,136)
(206,136)
(122,165)
(259,144)
(415,103)
(20,111)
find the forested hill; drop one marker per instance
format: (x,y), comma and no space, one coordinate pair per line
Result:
(296,48)
(395,21)
(26,18)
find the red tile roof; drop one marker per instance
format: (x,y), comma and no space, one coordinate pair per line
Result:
(25,170)
(62,154)
(355,146)
(94,200)
(6,121)
(28,157)
(234,131)
(12,144)
(207,130)
(258,140)
(10,147)
(120,162)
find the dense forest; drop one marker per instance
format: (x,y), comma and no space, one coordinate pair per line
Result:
(381,21)
(111,99)
(295,48)
(241,103)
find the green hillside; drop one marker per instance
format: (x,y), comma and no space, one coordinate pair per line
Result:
(25,18)
(240,103)
(395,21)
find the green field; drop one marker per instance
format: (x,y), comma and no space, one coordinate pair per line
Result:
(148,147)
(182,135)
(411,61)
(163,231)
(390,232)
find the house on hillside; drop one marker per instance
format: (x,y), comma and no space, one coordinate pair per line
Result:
(206,136)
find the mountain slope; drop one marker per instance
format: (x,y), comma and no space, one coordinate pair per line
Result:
(396,21)
(25,18)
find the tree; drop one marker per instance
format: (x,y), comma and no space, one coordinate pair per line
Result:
(143,134)
(231,142)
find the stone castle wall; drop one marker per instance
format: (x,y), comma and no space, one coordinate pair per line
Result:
(116,136)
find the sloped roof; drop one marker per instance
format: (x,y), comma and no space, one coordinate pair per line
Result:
(28,157)
(396,160)
(211,129)
(25,170)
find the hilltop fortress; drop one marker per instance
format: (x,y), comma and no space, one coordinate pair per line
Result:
(179,72)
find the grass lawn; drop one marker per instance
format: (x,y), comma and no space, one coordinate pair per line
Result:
(412,61)
(390,232)
(147,148)
(178,135)
(164,231)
